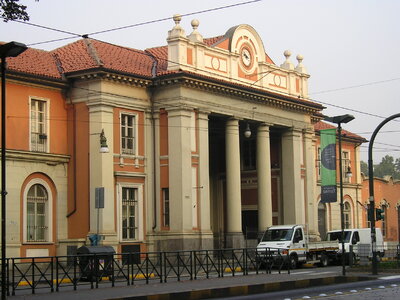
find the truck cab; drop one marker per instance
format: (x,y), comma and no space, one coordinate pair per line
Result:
(291,243)
(285,240)
(359,239)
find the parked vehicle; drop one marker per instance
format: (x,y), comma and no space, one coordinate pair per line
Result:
(360,240)
(291,242)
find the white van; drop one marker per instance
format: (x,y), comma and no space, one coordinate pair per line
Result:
(360,239)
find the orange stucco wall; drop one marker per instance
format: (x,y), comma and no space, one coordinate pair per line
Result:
(18,117)
(78,171)
(389,191)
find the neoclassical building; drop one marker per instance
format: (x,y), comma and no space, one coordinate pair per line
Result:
(208,139)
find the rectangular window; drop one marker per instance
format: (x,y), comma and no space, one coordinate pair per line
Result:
(165,199)
(345,165)
(129,213)
(248,154)
(128,134)
(38,125)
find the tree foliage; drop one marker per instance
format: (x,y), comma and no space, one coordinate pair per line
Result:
(387,167)
(11,10)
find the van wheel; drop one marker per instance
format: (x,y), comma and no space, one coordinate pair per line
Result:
(293,261)
(323,261)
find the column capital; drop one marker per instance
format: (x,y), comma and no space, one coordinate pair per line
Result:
(179,112)
(293,131)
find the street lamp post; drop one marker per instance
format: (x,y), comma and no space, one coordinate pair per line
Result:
(12,49)
(339,120)
(371,210)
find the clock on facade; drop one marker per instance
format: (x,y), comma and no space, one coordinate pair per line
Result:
(246,56)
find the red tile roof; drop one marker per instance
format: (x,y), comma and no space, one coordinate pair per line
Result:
(323,125)
(35,62)
(87,54)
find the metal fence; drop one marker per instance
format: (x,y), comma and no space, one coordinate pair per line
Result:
(53,274)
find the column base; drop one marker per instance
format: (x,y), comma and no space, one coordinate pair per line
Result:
(177,242)
(234,240)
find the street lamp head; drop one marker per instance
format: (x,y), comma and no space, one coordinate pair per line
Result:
(12,49)
(340,119)
(247,132)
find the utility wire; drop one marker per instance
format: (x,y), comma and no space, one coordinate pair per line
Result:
(76,35)
(169,18)
(356,86)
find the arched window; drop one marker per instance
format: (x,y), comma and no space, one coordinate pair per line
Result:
(322,228)
(37,216)
(384,221)
(347,215)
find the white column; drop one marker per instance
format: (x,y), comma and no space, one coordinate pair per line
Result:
(180,170)
(311,182)
(204,175)
(293,205)
(233,183)
(264,178)
(102,171)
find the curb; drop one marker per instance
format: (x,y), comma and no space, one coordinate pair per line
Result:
(248,289)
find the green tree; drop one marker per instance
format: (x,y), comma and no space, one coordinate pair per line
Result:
(11,10)
(364,167)
(385,167)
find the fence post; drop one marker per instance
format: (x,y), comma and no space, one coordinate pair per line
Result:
(13,276)
(33,275)
(112,270)
(147,268)
(52,274)
(75,264)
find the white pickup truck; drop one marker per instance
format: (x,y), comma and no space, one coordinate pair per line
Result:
(291,243)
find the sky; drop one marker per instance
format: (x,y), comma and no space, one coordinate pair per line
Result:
(350,47)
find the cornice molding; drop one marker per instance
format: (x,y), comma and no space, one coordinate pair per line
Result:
(247,93)
(101,74)
(37,157)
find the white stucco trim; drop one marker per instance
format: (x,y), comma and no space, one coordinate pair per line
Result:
(140,213)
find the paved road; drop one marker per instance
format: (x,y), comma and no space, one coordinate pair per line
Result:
(206,288)
(384,287)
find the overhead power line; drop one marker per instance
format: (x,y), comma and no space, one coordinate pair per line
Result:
(77,35)
(355,86)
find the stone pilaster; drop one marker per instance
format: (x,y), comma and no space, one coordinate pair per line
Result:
(264,178)
(293,205)
(101,173)
(233,230)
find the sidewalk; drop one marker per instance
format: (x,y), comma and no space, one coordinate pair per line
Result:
(206,288)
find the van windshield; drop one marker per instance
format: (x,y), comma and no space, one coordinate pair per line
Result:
(272,235)
(337,236)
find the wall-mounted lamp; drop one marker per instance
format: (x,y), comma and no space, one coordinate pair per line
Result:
(349,174)
(103,143)
(247,132)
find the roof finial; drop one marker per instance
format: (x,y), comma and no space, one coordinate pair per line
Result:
(195,36)
(300,67)
(287,64)
(177,31)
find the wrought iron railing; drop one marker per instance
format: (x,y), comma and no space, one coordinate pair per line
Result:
(57,273)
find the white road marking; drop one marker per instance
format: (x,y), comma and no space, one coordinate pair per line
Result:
(390,277)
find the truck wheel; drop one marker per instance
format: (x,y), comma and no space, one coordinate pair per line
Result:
(323,261)
(293,261)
